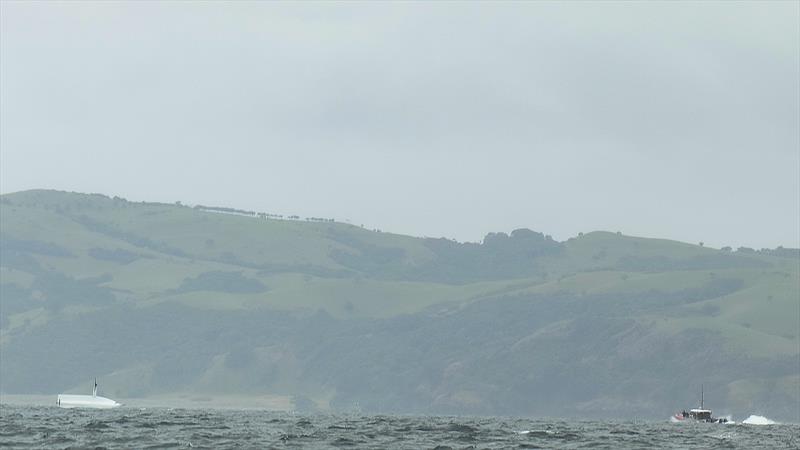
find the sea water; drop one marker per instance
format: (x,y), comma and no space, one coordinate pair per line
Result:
(127,427)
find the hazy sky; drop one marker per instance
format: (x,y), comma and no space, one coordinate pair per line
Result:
(675,120)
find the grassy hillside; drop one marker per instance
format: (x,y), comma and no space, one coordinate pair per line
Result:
(164,299)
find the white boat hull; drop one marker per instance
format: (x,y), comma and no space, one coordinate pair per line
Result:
(85,401)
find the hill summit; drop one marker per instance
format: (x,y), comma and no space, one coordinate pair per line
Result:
(171,300)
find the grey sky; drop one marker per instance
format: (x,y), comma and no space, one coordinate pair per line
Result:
(675,120)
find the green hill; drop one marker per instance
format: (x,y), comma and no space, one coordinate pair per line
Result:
(166,299)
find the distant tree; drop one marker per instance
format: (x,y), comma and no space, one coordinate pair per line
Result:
(726,249)
(701,243)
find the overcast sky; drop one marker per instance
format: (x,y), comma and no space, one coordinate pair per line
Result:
(673,120)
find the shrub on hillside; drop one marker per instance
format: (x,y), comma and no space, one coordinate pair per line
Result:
(220,281)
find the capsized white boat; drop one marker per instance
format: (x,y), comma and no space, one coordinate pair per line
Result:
(86,401)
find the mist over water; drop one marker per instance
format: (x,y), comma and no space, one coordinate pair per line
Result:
(28,427)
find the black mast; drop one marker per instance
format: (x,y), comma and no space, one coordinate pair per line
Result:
(701,397)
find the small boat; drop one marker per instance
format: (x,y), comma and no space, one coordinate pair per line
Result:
(700,414)
(86,401)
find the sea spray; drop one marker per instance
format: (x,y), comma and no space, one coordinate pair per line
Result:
(758,420)
(728,420)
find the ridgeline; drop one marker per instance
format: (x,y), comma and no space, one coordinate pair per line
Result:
(201,302)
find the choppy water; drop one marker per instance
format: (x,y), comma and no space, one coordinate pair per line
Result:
(50,427)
